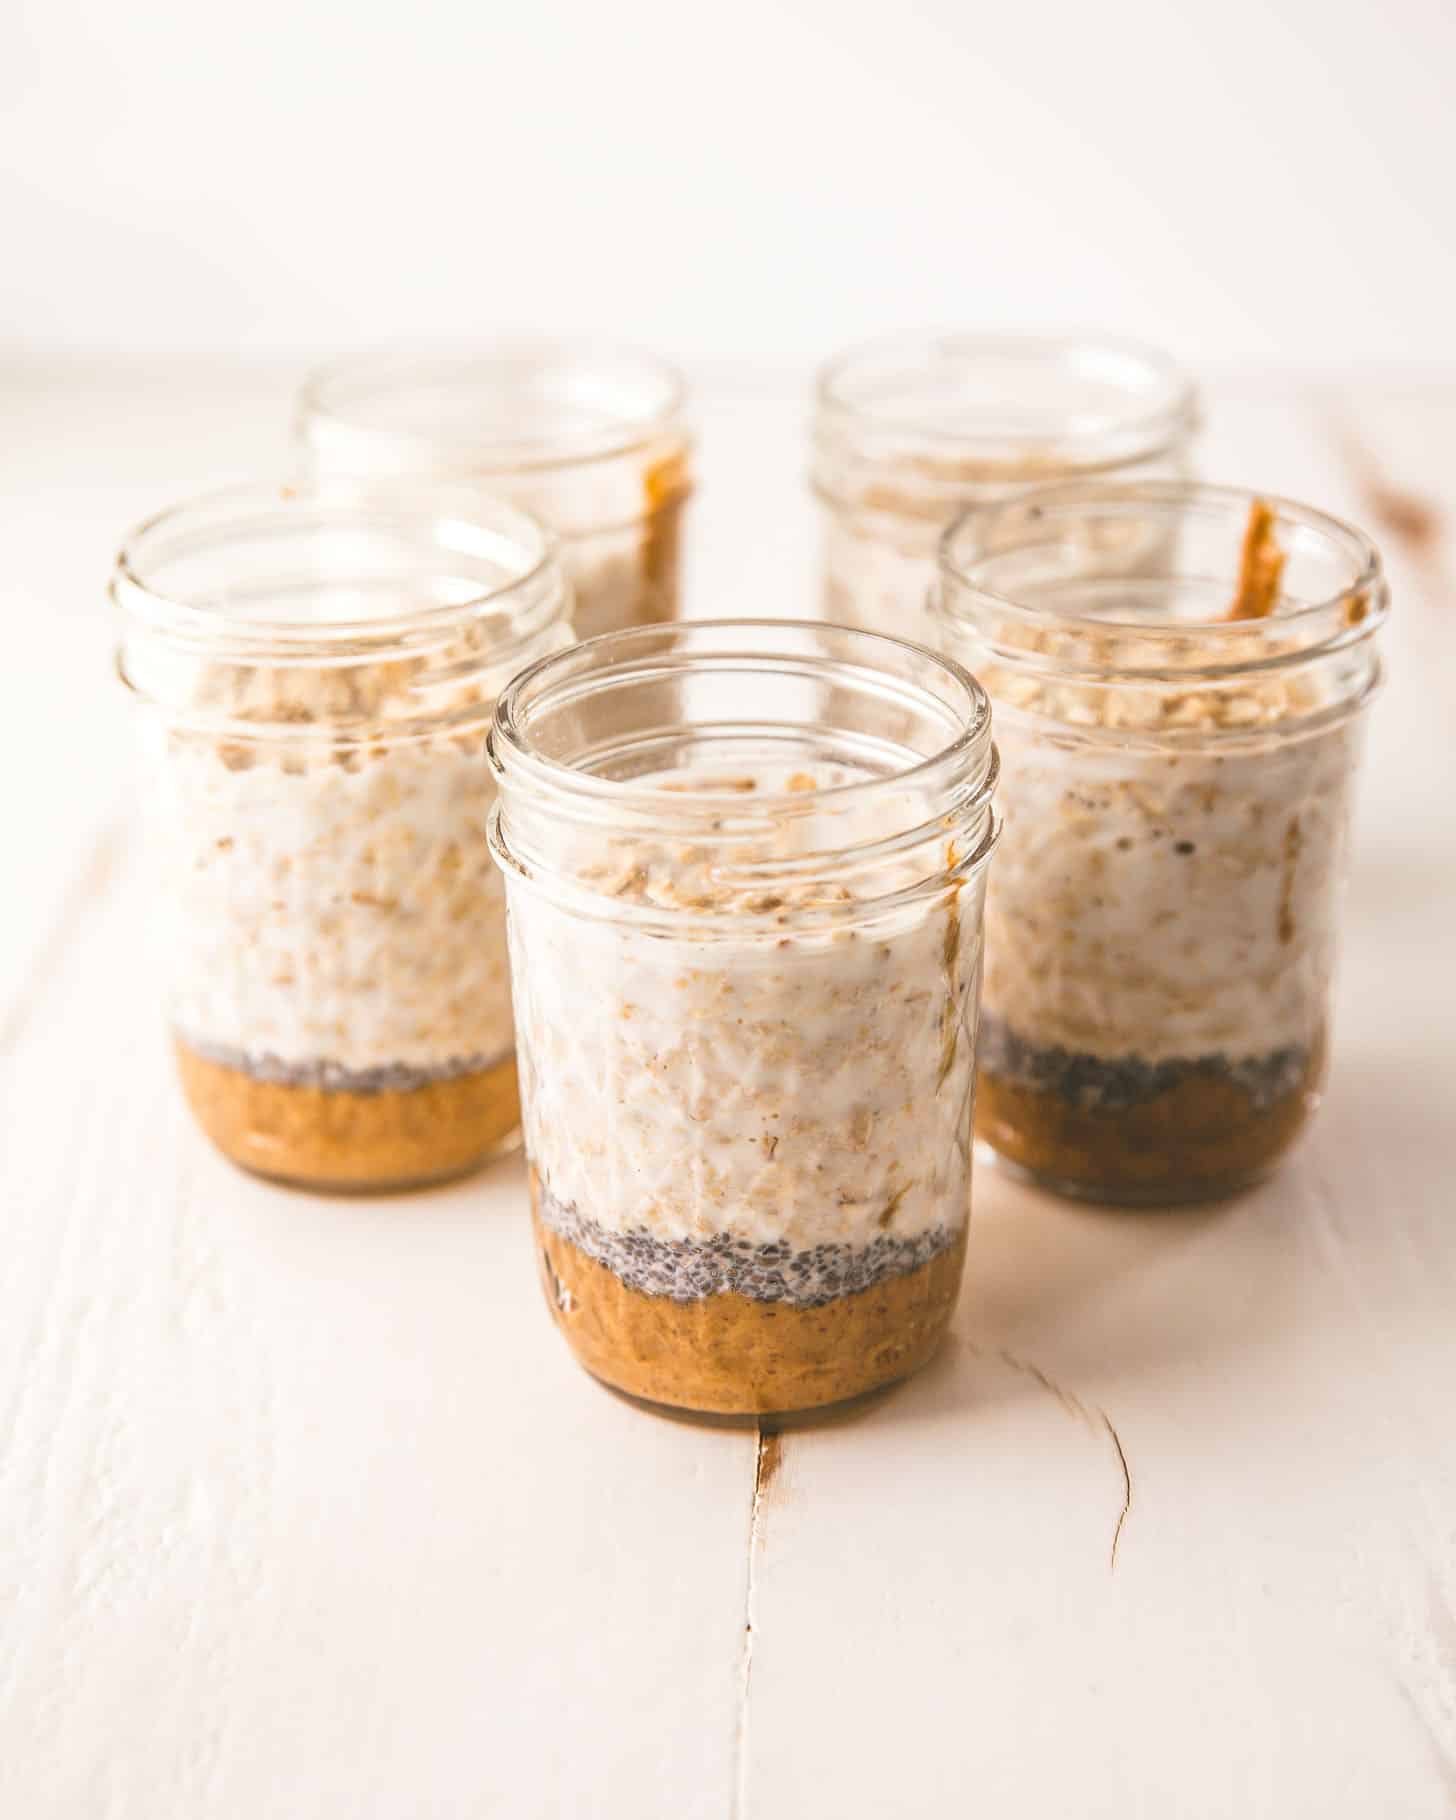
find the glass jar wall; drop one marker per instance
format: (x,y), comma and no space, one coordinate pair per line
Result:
(908,433)
(745,865)
(314,677)
(1181,736)
(592,441)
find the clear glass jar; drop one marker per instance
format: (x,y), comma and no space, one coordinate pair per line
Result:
(590,440)
(315,677)
(908,433)
(745,868)
(1161,931)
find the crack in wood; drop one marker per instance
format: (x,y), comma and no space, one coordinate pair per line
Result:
(1126,1487)
(1073,1405)
(768,1457)
(1414,521)
(1078,1410)
(766,1469)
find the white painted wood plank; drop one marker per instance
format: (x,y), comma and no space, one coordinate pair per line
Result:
(295,1494)
(65,760)
(87,448)
(1401,462)
(303,1505)
(304,1495)
(937,1617)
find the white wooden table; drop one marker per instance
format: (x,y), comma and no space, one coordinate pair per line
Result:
(305,1511)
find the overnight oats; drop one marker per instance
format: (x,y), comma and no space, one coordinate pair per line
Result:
(746,867)
(1181,746)
(591,441)
(315,679)
(909,433)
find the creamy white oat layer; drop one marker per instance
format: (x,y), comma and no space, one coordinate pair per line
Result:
(795,1086)
(887,581)
(877,585)
(1166,905)
(330,910)
(613,580)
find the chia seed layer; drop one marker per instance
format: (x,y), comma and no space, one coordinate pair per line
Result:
(332,1077)
(732,1354)
(687,1270)
(345,1137)
(1134,1132)
(1094,1083)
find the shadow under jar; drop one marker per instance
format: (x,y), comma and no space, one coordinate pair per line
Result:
(745,866)
(908,433)
(590,440)
(1161,931)
(315,677)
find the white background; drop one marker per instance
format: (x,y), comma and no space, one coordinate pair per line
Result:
(303,1507)
(1244,183)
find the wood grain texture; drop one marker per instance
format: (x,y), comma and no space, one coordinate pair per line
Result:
(303,1506)
(938,1613)
(304,1509)
(89,449)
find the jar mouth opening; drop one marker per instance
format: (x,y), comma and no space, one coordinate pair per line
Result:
(516,405)
(1003,398)
(1109,582)
(318,573)
(582,680)
(680,745)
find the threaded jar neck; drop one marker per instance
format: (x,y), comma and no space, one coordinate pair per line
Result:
(377,605)
(590,437)
(915,428)
(859,769)
(1112,604)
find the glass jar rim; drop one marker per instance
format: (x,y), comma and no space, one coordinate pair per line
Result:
(1288,635)
(354,393)
(920,814)
(1168,411)
(636,652)
(530,595)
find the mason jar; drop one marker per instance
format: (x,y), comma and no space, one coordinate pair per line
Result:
(1162,928)
(745,868)
(590,440)
(908,433)
(314,678)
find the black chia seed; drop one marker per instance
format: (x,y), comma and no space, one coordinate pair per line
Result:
(687,1270)
(334,1077)
(1099,1083)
